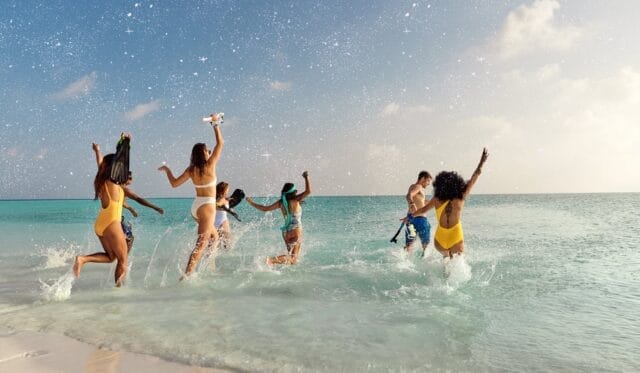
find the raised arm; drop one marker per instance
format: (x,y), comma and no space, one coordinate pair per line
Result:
(413,190)
(217,150)
(129,193)
(307,187)
(175,181)
(476,173)
(96,149)
(264,208)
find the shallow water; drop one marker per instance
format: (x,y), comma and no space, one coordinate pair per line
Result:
(548,282)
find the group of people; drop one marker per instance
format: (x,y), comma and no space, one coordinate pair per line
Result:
(209,209)
(211,204)
(449,193)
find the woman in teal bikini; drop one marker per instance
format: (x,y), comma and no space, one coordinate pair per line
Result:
(289,204)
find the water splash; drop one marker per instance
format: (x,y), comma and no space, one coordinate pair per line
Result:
(153,254)
(58,257)
(60,290)
(457,271)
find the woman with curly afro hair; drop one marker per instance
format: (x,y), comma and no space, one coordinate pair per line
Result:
(449,192)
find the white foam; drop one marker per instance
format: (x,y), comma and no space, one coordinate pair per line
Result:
(403,260)
(58,257)
(457,271)
(59,291)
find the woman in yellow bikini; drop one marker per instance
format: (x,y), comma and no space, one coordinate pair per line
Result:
(449,193)
(202,172)
(107,226)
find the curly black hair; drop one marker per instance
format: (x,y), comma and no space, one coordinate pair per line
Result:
(449,185)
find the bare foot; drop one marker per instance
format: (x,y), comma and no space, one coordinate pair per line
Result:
(77,266)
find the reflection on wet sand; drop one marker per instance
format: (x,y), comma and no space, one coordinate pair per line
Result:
(103,361)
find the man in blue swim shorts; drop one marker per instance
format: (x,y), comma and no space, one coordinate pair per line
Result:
(418,225)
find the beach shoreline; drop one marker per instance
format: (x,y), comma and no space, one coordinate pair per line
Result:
(33,351)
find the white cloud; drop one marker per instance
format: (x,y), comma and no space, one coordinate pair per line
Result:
(582,129)
(80,87)
(142,110)
(277,85)
(391,109)
(531,28)
(394,108)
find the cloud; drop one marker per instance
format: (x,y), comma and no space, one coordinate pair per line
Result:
(395,108)
(531,28)
(277,85)
(142,110)
(80,87)
(391,109)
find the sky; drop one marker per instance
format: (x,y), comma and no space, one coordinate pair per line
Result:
(361,94)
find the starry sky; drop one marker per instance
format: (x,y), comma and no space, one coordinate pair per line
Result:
(362,94)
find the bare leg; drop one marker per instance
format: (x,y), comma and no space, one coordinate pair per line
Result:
(206,230)
(92,258)
(293,240)
(117,245)
(130,244)
(453,250)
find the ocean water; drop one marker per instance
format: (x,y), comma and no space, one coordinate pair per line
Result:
(547,283)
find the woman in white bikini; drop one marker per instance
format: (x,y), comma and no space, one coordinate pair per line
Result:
(289,204)
(222,221)
(202,172)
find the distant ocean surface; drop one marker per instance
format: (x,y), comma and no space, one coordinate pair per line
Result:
(548,283)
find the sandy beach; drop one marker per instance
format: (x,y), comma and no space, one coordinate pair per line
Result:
(28,351)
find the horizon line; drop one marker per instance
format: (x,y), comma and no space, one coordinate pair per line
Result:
(329,196)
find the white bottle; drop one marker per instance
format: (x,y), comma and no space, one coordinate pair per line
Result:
(215,118)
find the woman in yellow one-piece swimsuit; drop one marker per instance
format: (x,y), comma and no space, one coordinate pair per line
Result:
(449,193)
(107,226)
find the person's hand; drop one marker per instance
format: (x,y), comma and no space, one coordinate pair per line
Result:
(305,174)
(160,210)
(125,135)
(95,147)
(249,199)
(134,213)
(485,155)
(163,168)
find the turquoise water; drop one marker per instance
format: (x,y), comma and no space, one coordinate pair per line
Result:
(548,283)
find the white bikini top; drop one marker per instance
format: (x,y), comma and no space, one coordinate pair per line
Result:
(208,185)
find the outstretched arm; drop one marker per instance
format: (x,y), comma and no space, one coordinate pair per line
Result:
(129,193)
(175,181)
(431,204)
(131,209)
(476,173)
(96,149)
(217,150)
(264,208)
(307,187)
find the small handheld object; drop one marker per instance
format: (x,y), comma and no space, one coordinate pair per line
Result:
(120,164)
(236,198)
(394,239)
(215,118)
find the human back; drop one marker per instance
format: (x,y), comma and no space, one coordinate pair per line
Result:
(202,171)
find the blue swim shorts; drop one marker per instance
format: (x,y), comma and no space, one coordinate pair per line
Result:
(127,229)
(418,226)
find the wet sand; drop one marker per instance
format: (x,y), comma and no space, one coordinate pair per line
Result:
(27,351)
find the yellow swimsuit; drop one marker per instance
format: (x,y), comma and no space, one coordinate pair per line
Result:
(448,237)
(112,213)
